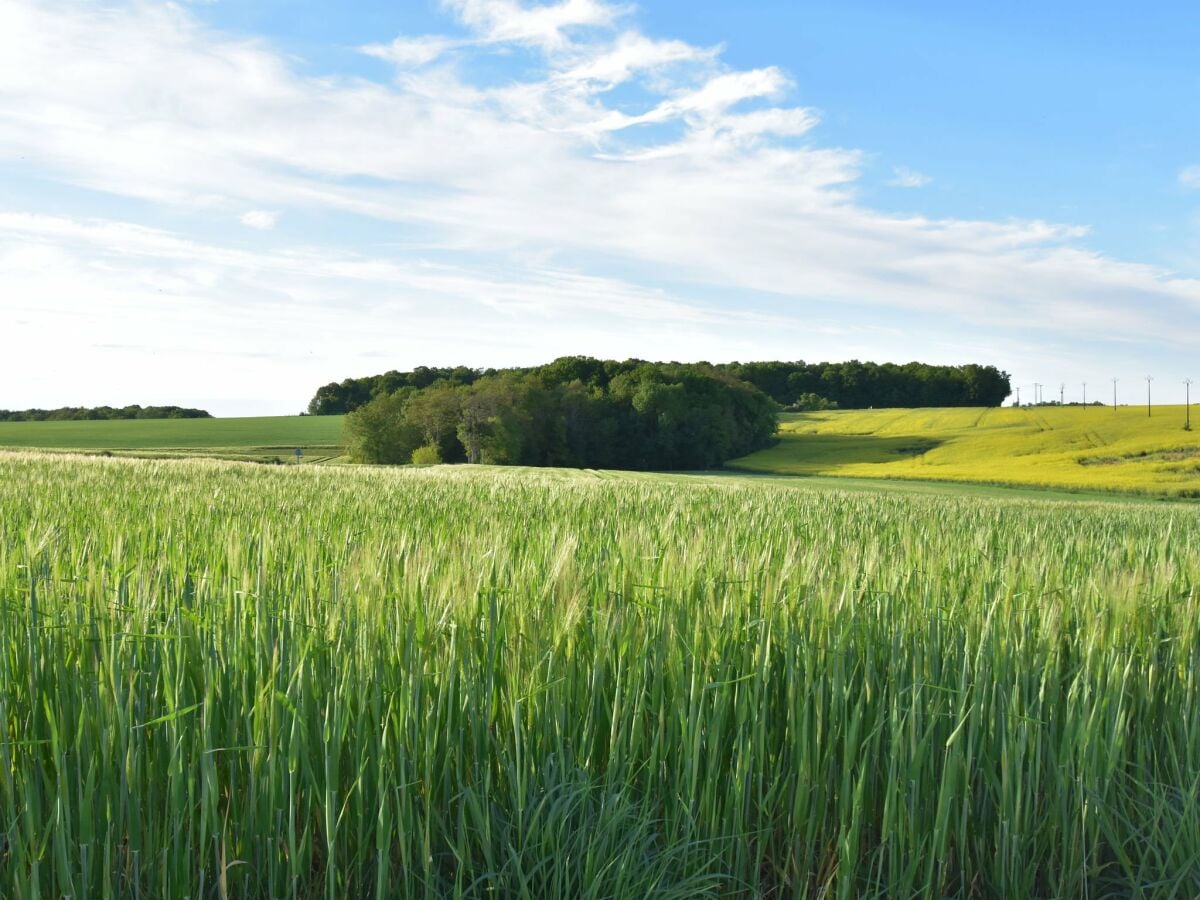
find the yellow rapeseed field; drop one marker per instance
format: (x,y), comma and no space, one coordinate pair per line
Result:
(1092,448)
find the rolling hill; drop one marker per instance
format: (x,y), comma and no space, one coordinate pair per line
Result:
(1082,448)
(1072,448)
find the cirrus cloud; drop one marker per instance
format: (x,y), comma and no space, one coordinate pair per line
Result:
(695,175)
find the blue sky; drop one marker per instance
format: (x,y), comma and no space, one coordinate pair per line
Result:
(228,204)
(1081,111)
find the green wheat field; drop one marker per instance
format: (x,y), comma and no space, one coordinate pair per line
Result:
(221,680)
(250,439)
(1079,449)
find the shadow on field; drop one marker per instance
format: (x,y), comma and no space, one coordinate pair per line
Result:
(845,449)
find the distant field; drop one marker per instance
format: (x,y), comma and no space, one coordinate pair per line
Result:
(1079,448)
(1089,449)
(260,438)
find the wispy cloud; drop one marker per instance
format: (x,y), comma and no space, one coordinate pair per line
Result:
(547,25)
(538,188)
(261,219)
(494,22)
(903,177)
(209,319)
(414,52)
(1190,177)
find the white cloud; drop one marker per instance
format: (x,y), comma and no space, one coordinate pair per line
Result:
(499,22)
(1190,177)
(216,324)
(415,52)
(631,54)
(544,25)
(261,219)
(903,177)
(704,174)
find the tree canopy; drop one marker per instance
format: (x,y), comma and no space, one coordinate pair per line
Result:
(338,398)
(859,385)
(849,385)
(575,411)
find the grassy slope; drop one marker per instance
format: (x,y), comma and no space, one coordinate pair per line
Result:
(265,437)
(1077,448)
(841,484)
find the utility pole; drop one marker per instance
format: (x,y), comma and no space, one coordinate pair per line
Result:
(1085,395)
(1187,404)
(1114,395)
(1148,380)
(1018,396)
(1062,389)
(1037,393)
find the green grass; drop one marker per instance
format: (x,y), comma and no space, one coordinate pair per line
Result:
(1068,448)
(1089,451)
(259,439)
(220,680)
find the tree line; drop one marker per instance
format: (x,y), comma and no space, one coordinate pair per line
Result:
(338,398)
(97,413)
(573,412)
(844,385)
(859,385)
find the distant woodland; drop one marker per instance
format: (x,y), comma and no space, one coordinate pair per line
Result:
(583,412)
(846,385)
(96,413)
(573,412)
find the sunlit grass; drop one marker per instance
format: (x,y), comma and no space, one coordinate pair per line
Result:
(1090,448)
(258,438)
(220,680)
